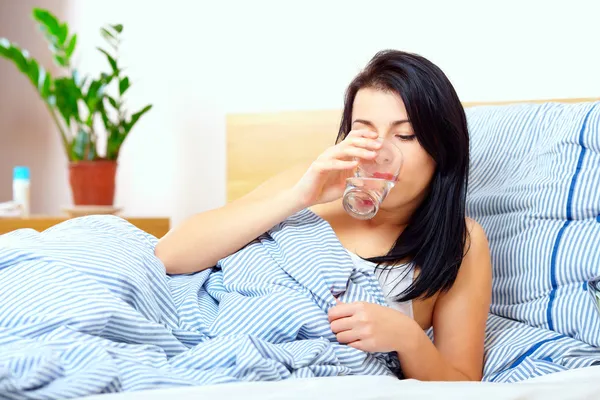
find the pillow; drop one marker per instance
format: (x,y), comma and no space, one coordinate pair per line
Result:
(534,186)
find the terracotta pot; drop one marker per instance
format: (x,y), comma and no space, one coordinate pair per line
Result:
(93,182)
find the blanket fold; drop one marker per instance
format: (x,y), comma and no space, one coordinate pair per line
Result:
(86,307)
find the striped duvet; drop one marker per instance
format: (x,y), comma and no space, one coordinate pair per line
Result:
(85,307)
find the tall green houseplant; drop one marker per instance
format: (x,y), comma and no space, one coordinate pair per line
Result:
(80,104)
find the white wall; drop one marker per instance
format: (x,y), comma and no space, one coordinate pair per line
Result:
(198,60)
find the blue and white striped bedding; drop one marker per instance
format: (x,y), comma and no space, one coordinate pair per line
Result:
(535,189)
(515,351)
(85,307)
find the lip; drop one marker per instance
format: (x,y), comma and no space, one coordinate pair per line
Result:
(384,175)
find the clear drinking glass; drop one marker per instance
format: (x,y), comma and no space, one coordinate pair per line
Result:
(372,181)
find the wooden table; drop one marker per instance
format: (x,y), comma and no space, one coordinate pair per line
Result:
(157,226)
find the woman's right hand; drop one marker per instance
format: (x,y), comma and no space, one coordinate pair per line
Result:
(325,179)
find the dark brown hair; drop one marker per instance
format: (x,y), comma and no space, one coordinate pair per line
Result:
(436,235)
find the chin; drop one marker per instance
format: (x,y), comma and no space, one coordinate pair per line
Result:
(393,205)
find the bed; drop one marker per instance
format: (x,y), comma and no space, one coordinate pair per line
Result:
(299,136)
(537,347)
(581,384)
(259,145)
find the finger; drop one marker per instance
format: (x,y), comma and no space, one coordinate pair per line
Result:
(367,133)
(358,345)
(362,142)
(347,336)
(342,324)
(336,165)
(340,311)
(345,152)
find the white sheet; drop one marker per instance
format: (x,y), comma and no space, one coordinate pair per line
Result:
(577,384)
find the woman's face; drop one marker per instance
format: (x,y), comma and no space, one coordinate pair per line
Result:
(384,112)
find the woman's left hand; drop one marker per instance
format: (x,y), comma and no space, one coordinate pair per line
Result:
(370,327)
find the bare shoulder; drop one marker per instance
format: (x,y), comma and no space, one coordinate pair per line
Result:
(330,212)
(473,227)
(476,244)
(474,277)
(476,267)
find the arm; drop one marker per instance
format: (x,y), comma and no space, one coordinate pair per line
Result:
(202,240)
(459,319)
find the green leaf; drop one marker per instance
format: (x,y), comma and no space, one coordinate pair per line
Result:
(94,95)
(63,32)
(61,60)
(4,47)
(71,46)
(124,85)
(113,102)
(62,104)
(107,34)
(46,18)
(118,28)
(111,36)
(107,79)
(34,73)
(107,124)
(45,81)
(18,57)
(50,25)
(93,90)
(135,118)
(113,144)
(67,94)
(111,60)
(40,79)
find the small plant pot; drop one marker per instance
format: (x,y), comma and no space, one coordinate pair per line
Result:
(93,182)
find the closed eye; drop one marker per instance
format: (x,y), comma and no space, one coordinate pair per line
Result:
(406,137)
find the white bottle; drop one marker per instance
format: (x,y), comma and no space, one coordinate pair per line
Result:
(21,185)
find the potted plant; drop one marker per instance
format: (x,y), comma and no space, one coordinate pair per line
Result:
(80,104)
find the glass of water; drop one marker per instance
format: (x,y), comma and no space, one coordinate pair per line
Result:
(372,181)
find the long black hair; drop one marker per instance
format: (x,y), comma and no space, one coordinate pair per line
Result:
(436,235)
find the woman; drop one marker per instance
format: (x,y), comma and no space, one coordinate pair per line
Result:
(433,263)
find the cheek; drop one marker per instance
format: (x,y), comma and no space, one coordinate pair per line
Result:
(416,175)
(417,169)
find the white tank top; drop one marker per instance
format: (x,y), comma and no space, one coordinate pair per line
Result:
(393,282)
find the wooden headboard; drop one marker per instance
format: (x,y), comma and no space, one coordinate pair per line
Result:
(260,145)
